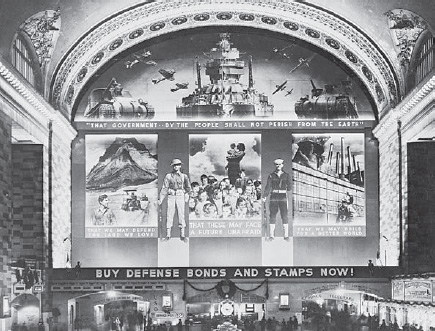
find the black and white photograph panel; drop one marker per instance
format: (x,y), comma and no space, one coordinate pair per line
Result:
(328,185)
(121,186)
(225,170)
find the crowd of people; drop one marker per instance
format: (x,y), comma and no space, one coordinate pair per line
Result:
(211,198)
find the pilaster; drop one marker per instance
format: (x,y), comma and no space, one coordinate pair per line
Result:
(407,122)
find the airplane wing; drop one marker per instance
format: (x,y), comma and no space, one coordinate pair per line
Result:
(142,56)
(280,87)
(311,57)
(167,73)
(289,92)
(297,66)
(303,61)
(277,89)
(279,51)
(308,60)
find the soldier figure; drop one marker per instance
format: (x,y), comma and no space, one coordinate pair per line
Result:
(277,186)
(176,186)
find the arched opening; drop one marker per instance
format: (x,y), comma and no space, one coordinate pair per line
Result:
(280,57)
(339,37)
(25,60)
(340,307)
(107,310)
(422,60)
(25,312)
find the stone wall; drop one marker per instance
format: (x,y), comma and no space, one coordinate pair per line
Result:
(411,120)
(5,205)
(27,181)
(389,200)
(61,195)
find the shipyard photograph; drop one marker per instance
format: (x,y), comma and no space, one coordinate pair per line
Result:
(328,185)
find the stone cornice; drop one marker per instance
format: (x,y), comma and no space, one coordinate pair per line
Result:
(36,108)
(407,110)
(146,21)
(413,126)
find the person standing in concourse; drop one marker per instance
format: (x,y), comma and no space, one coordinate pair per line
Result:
(176,187)
(277,186)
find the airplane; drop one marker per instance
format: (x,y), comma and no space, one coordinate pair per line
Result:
(289,92)
(280,87)
(151,63)
(303,61)
(137,57)
(166,74)
(180,86)
(279,51)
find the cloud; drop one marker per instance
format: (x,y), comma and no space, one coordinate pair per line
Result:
(212,157)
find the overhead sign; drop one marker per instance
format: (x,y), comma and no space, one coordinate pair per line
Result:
(225,272)
(167,315)
(219,125)
(19,288)
(39,288)
(418,290)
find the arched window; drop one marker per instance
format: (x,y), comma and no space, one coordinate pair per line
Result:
(33,46)
(425,60)
(25,60)
(422,61)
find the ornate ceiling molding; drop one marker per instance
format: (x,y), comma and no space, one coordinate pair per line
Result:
(297,20)
(35,111)
(43,31)
(408,110)
(405,28)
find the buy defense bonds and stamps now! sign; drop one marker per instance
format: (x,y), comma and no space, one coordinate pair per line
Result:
(224,272)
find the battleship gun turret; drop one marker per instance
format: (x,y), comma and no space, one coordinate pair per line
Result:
(225,96)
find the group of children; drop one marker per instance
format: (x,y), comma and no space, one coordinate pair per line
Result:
(212,198)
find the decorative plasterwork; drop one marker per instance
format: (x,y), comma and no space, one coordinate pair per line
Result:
(405,28)
(43,30)
(294,19)
(37,109)
(407,109)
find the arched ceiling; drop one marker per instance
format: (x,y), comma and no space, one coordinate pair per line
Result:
(143,22)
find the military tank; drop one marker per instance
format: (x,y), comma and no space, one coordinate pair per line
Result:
(113,102)
(332,102)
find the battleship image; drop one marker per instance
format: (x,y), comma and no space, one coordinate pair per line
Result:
(225,96)
(332,102)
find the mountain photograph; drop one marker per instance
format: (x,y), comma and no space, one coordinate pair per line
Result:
(125,162)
